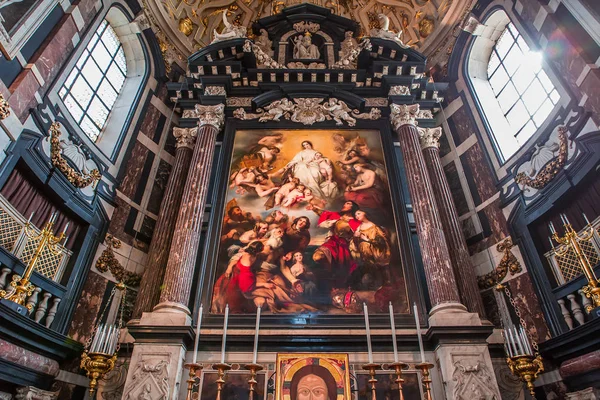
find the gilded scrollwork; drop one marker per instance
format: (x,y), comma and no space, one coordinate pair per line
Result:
(4,108)
(509,262)
(108,262)
(538,178)
(78,179)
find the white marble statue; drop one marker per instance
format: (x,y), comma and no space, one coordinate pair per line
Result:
(348,46)
(304,49)
(385,33)
(229,32)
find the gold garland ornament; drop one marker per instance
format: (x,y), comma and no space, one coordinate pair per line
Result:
(508,263)
(108,262)
(77,179)
(551,169)
(4,108)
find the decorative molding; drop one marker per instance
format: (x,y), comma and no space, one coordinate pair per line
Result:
(402,114)
(301,65)
(509,262)
(308,111)
(215,91)
(550,169)
(4,108)
(33,393)
(211,115)
(473,382)
(304,26)
(185,137)
(430,137)
(376,102)
(108,262)
(425,114)
(78,179)
(150,378)
(399,90)
(239,102)
(263,60)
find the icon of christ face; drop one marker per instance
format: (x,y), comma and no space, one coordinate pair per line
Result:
(312,387)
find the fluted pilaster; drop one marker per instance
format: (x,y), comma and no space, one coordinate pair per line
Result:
(158,254)
(455,240)
(443,291)
(186,238)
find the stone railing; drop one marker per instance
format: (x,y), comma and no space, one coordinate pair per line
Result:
(572,308)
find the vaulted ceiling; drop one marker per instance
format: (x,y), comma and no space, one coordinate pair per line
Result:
(430,26)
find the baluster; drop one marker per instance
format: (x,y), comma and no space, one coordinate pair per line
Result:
(41,310)
(52,312)
(3,274)
(566,314)
(33,299)
(586,301)
(576,309)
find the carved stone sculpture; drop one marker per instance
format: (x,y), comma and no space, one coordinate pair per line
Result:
(349,56)
(348,45)
(150,379)
(473,382)
(385,33)
(308,111)
(399,90)
(304,49)
(263,60)
(33,393)
(229,32)
(264,43)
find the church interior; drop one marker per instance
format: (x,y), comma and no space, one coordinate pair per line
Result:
(285,199)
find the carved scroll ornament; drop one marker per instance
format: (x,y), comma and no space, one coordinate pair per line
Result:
(550,169)
(4,108)
(308,111)
(77,179)
(508,263)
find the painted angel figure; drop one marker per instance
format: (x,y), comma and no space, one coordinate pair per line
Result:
(340,112)
(229,32)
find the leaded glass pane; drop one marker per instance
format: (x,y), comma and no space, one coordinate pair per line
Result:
(518,116)
(534,96)
(115,77)
(82,92)
(89,128)
(73,107)
(102,57)
(499,80)
(107,93)
(92,73)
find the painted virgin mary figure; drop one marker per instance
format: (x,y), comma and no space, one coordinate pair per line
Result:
(305,167)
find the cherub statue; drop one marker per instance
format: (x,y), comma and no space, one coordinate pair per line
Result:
(339,111)
(229,32)
(385,33)
(304,49)
(348,45)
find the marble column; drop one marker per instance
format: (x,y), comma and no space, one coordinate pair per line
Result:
(455,240)
(443,291)
(149,292)
(186,238)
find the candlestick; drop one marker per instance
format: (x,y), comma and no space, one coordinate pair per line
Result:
(256,329)
(221,368)
(372,367)
(253,368)
(393,324)
(426,380)
(587,221)
(366,312)
(398,367)
(193,367)
(421,349)
(224,334)
(197,340)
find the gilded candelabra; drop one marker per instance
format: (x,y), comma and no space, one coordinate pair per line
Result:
(527,367)
(372,367)
(101,349)
(253,368)
(21,286)
(570,241)
(221,369)
(424,367)
(398,367)
(193,367)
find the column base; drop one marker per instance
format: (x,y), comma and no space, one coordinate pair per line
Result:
(165,318)
(171,307)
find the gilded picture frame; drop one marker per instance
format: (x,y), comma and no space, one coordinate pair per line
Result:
(296,372)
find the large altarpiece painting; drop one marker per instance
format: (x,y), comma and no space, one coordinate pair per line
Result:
(309,225)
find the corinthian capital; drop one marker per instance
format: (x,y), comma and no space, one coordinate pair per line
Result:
(186,137)
(430,137)
(211,115)
(403,114)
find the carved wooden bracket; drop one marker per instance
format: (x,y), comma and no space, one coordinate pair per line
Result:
(508,263)
(551,169)
(77,179)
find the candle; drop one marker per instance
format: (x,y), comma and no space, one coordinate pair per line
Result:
(418,324)
(197,340)
(366,312)
(551,242)
(115,340)
(567,219)
(552,230)
(393,324)
(506,344)
(224,334)
(101,333)
(65,229)
(30,216)
(256,329)
(587,221)
(525,340)
(109,335)
(95,340)
(53,217)
(518,344)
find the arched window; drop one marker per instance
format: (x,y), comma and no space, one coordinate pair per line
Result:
(92,87)
(508,78)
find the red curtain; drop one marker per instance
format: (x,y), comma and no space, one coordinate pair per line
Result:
(23,195)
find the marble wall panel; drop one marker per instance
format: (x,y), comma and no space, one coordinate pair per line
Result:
(22,94)
(55,50)
(529,12)
(591,84)
(491,307)
(150,121)
(87,9)
(158,190)
(147,229)
(495,227)
(580,365)
(564,58)
(26,358)
(88,307)
(468,228)
(119,220)
(134,170)
(170,142)
(527,301)
(458,195)
(480,175)
(444,145)
(461,125)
